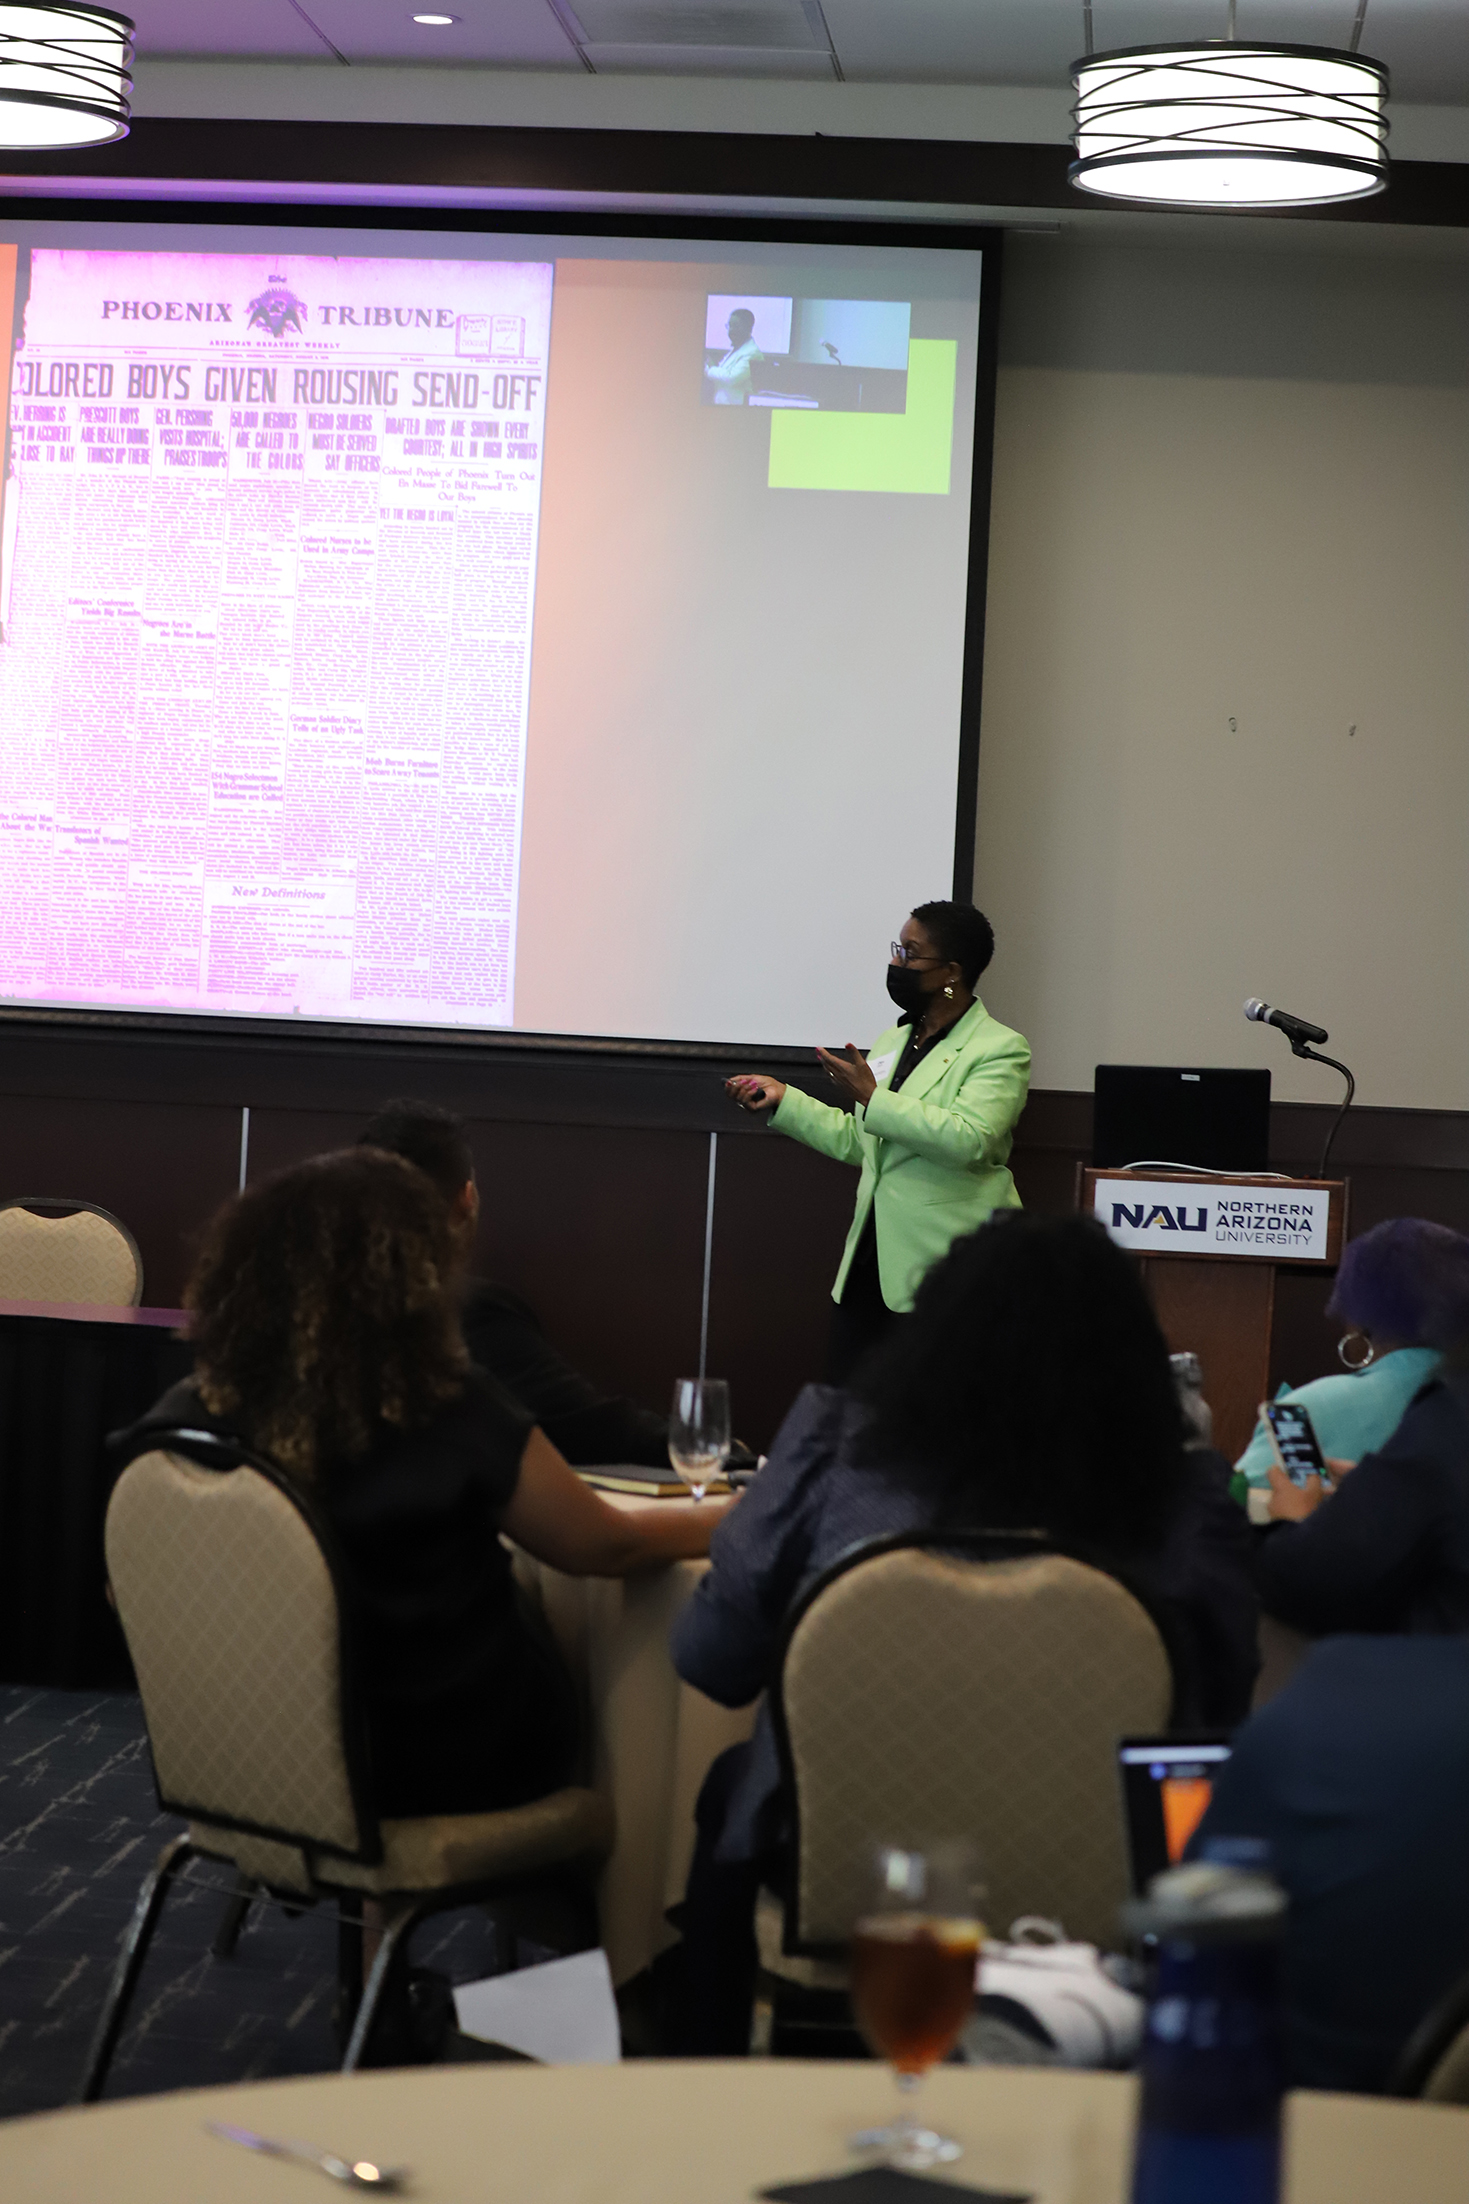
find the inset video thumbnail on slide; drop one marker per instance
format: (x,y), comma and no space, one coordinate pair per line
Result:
(826,355)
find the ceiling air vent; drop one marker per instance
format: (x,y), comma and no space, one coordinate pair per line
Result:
(766,24)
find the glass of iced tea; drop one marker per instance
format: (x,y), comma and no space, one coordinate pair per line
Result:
(914,1952)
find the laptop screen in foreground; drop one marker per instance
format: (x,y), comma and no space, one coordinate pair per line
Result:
(1167,1783)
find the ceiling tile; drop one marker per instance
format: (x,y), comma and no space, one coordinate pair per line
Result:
(518,34)
(963,41)
(266,29)
(1425,43)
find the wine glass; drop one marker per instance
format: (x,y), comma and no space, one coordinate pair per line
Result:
(914,1954)
(698,1431)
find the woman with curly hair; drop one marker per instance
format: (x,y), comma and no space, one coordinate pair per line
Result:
(1030,1390)
(326,1336)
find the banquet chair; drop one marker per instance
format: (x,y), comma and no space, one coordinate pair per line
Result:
(229,1594)
(85,1255)
(1434,2062)
(973,1692)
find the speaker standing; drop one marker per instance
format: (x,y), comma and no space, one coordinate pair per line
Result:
(933,1110)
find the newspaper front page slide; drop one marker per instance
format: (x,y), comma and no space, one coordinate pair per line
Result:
(267,579)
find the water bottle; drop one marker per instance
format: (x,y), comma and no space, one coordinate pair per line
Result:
(1213,2062)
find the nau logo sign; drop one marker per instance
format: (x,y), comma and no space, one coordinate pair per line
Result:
(1209,1217)
(1142,1216)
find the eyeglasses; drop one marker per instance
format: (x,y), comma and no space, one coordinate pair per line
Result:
(903,954)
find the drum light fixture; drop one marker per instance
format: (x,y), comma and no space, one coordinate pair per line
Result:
(64,76)
(1230,123)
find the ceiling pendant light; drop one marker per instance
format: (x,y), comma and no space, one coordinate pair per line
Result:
(63,76)
(1227,122)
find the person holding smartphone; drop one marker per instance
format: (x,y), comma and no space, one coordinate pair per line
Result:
(1391,1551)
(1301,1476)
(928,1120)
(1401,1291)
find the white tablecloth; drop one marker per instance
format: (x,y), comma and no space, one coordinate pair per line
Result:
(652,2133)
(652,1737)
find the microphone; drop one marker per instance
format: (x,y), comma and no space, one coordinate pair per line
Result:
(1300,1035)
(1294,1029)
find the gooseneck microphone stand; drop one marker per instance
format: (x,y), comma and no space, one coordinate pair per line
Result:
(1314,1056)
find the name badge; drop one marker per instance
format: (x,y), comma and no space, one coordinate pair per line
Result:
(880,1066)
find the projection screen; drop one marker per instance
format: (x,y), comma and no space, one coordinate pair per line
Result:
(469,632)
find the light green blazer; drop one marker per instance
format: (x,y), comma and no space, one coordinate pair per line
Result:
(933,1157)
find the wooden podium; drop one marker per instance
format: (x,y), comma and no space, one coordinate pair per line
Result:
(1210,1248)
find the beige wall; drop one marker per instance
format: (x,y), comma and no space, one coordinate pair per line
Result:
(1231,523)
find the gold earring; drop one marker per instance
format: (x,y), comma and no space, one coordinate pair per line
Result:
(950,993)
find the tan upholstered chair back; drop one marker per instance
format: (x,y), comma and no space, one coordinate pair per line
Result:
(1448,2084)
(926,1696)
(87,1256)
(231,1618)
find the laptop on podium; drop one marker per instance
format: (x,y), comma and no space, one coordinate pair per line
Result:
(1168,1113)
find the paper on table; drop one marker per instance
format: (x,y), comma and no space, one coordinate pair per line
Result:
(563,2013)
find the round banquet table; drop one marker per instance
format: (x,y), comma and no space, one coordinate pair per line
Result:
(652,1737)
(656,2133)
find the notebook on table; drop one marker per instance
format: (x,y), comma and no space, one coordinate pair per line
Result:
(643,1482)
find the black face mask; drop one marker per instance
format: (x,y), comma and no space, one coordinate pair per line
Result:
(905,985)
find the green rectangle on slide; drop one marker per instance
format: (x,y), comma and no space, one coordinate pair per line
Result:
(875,451)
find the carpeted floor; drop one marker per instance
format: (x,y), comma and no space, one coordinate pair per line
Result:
(79,1827)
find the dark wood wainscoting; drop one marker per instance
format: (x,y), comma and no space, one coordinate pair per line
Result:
(594,1171)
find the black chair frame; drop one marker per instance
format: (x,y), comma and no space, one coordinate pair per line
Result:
(403,1913)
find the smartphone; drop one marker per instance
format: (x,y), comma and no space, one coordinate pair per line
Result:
(1293,1440)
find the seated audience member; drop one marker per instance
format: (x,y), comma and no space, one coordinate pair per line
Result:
(502,1334)
(1385,1546)
(1031,1389)
(326,1336)
(1357,1773)
(1397,1286)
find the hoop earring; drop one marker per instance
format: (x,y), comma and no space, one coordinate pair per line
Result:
(1341,1352)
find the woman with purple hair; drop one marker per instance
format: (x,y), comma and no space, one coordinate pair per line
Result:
(1401,1296)
(1386,1547)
